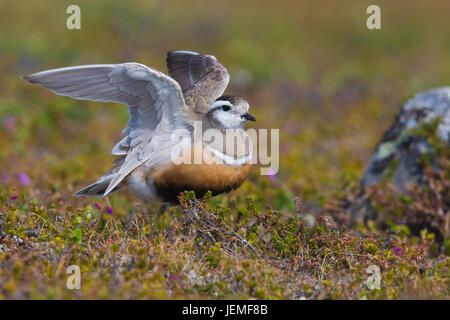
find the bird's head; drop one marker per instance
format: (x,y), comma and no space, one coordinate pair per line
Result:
(230,112)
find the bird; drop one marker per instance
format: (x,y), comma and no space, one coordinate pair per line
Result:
(160,105)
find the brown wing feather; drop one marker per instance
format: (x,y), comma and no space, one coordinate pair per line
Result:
(202,78)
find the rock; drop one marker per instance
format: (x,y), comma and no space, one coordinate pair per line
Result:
(406,187)
(399,154)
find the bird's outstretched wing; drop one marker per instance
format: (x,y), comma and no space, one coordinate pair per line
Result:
(202,78)
(155,103)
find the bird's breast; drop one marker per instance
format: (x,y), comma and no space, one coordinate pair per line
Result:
(201,178)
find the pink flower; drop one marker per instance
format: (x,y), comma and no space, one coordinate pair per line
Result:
(272,174)
(97,206)
(398,251)
(24,179)
(14,197)
(110,240)
(109,210)
(9,123)
(176,277)
(5,177)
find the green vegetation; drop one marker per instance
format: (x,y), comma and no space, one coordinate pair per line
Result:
(328,83)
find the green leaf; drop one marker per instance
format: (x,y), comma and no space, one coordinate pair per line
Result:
(77,236)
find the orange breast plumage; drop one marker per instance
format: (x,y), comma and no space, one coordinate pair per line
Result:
(201,178)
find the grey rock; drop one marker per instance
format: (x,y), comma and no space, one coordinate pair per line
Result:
(399,153)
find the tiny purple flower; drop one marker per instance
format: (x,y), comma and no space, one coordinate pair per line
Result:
(9,123)
(97,206)
(24,179)
(173,277)
(14,197)
(272,174)
(5,177)
(398,251)
(176,277)
(109,210)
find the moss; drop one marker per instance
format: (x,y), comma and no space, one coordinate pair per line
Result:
(372,248)
(447,247)
(428,130)
(329,124)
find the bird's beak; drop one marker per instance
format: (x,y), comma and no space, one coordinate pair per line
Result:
(248,116)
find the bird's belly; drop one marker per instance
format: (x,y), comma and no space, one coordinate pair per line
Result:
(142,187)
(201,178)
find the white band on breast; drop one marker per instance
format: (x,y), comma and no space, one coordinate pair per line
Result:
(235,162)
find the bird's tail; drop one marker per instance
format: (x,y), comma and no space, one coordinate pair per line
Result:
(97,189)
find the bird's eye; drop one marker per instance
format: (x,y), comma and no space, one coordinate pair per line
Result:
(226,108)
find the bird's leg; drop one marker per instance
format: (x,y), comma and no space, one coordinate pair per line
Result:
(161,211)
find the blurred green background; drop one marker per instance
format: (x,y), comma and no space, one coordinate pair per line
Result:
(310,68)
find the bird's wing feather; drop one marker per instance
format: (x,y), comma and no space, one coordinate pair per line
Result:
(202,78)
(155,102)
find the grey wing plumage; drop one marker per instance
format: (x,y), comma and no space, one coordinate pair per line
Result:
(155,103)
(202,78)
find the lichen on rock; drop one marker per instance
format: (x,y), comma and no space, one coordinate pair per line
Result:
(407,183)
(420,127)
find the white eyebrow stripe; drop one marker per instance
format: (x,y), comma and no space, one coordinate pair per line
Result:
(231,160)
(186,51)
(220,103)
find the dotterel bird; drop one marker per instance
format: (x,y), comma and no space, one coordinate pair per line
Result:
(160,105)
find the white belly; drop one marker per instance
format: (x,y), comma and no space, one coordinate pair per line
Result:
(141,188)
